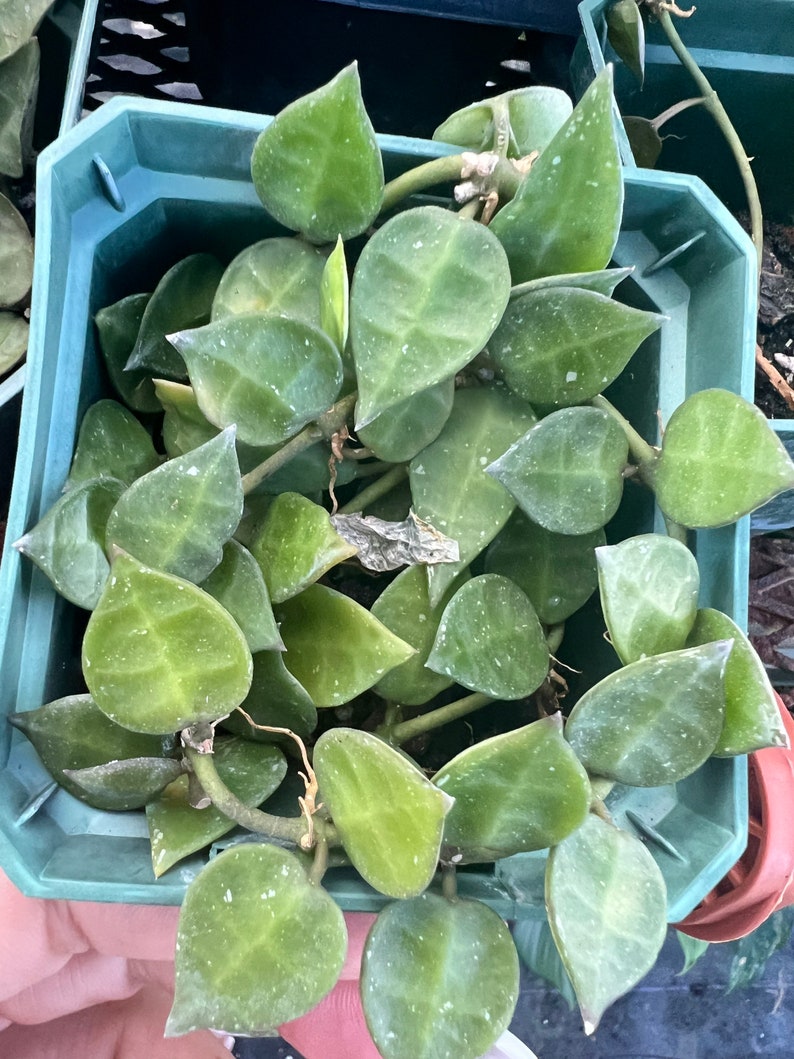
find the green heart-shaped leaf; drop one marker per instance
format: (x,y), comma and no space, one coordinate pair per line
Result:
(404,607)
(335,297)
(14,333)
(654,721)
(644,140)
(528,118)
(388,814)
(159,654)
(185,426)
(19,23)
(438,978)
(19,83)
(277,699)
(538,953)
(607,907)
(626,34)
(566,215)
(428,291)
(176,829)
(267,375)
(564,345)
(278,276)
(111,444)
(602,281)
(514,793)
(335,647)
(181,300)
(179,516)
(403,430)
(124,785)
(449,485)
(73,733)
(16,256)
(69,542)
(558,573)
(257,944)
(490,640)
(317,167)
(117,328)
(567,472)
(649,594)
(752,717)
(238,585)
(720,460)
(296,545)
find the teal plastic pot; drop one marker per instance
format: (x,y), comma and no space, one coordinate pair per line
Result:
(129,191)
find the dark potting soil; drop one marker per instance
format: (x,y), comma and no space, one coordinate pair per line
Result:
(776,319)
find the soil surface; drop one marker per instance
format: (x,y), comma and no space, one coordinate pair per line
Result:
(776,323)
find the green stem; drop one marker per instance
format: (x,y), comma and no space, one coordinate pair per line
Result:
(677,108)
(713,105)
(320,861)
(426,722)
(287,829)
(645,455)
(505,178)
(675,530)
(554,635)
(376,490)
(326,426)
(449,882)
(470,210)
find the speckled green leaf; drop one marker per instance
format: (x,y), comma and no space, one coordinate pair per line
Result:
(654,721)
(557,572)
(602,281)
(403,430)
(527,117)
(490,640)
(404,607)
(14,332)
(124,785)
(238,585)
(566,215)
(720,460)
(185,426)
(752,717)
(181,300)
(277,699)
(113,444)
(68,544)
(19,83)
(626,34)
(607,908)
(117,329)
(335,297)
(567,472)
(176,829)
(317,167)
(73,733)
(179,516)
(257,944)
(279,276)
(649,594)
(438,979)
(335,647)
(159,654)
(564,345)
(296,545)
(16,256)
(514,793)
(449,485)
(428,291)
(18,23)
(267,375)
(389,815)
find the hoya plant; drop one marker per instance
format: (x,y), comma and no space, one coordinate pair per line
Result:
(350,489)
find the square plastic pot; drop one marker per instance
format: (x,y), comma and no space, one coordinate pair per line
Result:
(124,195)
